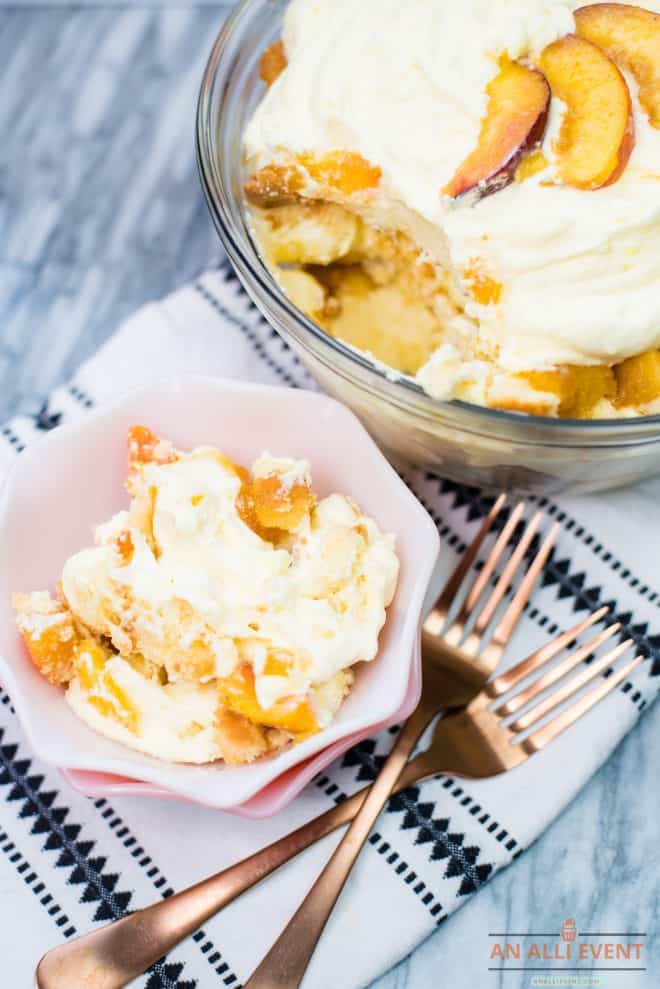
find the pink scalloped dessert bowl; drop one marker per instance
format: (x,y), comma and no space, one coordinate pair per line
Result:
(73,478)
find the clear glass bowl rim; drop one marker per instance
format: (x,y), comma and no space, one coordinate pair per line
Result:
(402,391)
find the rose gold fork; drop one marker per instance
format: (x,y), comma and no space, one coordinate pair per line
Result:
(466,661)
(114,955)
(472,742)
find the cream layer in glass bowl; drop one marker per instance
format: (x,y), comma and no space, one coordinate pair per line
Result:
(470,193)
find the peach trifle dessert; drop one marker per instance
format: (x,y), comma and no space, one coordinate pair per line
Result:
(470,193)
(220,616)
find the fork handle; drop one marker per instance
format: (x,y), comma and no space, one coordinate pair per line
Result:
(111,956)
(287,961)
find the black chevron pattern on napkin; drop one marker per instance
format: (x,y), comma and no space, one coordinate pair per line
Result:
(50,819)
(166,974)
(419,816)
(100,886)
(45,419)
(62,837)
(462,860)
(33,881)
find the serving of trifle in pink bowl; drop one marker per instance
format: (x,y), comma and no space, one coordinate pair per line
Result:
(210,632)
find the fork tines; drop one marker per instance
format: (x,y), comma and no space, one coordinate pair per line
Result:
(482,600)
(568,678)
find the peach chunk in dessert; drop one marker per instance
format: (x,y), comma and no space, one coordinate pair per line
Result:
(631,37)
(638,380)
(272,63)
(221,614)
(50,634)
(336,176)
(597,132)
(585,392)
(514,124)
(531,165)
(571,392)
(484,289)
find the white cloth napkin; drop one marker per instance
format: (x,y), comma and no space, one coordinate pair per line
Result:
(69,863)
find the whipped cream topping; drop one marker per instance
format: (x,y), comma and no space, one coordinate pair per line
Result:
(404,85)
(203,575)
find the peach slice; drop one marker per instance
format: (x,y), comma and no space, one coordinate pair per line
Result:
(515,120)
(631,37)
(597,132)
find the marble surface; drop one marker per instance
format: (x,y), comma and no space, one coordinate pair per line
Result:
(100,211)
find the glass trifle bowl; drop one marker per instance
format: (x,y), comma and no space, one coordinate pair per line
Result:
(463,442)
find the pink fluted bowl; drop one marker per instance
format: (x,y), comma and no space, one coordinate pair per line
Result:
(63,485)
